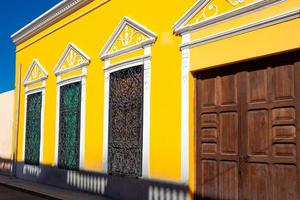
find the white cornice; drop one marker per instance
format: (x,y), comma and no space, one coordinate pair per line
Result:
(56,13)
(277,19)
(181,26)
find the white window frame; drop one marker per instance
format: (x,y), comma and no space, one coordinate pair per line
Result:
(65,81)
(60,83)
(29,91)
(145,61)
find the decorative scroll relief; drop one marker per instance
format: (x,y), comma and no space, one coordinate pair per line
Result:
(129,36)
(217,7)
(35,73)
(72,59)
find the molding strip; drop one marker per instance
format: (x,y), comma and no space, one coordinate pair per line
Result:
(47,19)
(180,28)
(244,29)
(185,69)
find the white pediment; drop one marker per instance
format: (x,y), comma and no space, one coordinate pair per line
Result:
(128,36)
(35,73)
(72,58)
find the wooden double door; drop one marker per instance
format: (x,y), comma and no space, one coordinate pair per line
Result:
(248,130)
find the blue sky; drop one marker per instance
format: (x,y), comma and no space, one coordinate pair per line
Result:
(14,14)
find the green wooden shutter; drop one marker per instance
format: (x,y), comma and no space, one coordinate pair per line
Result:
(69,126)
(33,128)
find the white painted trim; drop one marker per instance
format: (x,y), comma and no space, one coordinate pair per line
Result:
(57,123)
(24,128)
(27,93)
(108,69)
(106,118)
(185,111)
(71,46)
(294,14)
(132,62)
(60,83)
(146,114)
(181,27)
(82,122)
(128,49)
(35,62)
(56,13)
(127,21)
(43,123)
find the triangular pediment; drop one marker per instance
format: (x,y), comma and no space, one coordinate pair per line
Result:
(208,12)
(72,58)
(129,35)
(36,73)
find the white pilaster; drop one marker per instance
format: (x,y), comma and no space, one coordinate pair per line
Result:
(106,118)
(185,110)
(83,120)
(146,113)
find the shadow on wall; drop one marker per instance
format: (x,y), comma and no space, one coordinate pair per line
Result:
(5,166)
(113,187)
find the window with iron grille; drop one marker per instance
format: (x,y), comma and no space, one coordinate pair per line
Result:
(126,122)
(69,126)
(33,128)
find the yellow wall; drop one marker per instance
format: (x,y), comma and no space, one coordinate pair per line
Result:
(90,33)
(262,42)
(89,29)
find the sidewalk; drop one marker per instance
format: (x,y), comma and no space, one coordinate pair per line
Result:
(46,191)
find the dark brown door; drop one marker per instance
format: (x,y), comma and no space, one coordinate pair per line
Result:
(247,138)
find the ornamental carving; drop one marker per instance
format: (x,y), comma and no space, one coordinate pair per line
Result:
(35,73)
(129,36)
(72,59)
(218,7)
(125,122)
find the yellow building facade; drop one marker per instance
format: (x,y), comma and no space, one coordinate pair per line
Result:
(87,45)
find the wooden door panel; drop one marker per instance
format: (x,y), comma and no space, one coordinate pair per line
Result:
(257,86)
(248,130)
(228,180)
(282,116)
(229,133)
(284,150)
(209,179)
(208,98)
(284,182)
(258,137)
(283,82)
(228,90)
(256,182)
